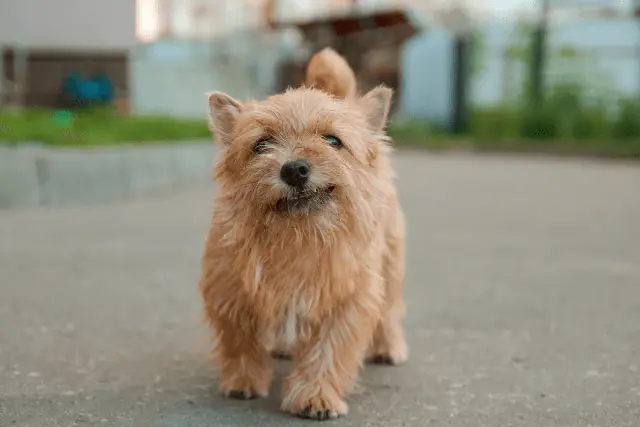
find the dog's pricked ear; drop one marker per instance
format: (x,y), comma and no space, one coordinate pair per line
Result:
(223,113)
(375,105)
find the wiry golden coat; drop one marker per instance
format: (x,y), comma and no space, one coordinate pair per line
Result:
(323,282)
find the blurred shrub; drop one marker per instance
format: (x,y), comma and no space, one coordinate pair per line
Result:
(567,113)
(581,110)
(627,122)
(569,120)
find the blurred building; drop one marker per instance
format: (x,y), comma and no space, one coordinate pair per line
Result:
(40,41)
(144,46)
(251,48)
(68,24)
(164,55)
(203,19)
(241,46)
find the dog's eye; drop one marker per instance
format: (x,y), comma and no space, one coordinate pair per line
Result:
(262,145)
(333,141)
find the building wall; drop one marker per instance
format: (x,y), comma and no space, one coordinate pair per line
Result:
(202,19)
(69,24)
(47,70)
(172,77)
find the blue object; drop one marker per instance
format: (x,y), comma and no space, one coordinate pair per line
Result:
(86,90)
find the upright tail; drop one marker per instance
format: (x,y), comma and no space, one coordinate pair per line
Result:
(330,72)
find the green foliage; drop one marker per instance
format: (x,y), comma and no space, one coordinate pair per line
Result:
(521,48)
(627,122)
(94,127)
(568,121)
(580,111)
(478,52)
(567,113)
(418,133)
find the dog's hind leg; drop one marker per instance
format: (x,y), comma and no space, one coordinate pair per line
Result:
(389,345)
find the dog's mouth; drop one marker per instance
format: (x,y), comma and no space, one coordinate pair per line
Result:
(305,201)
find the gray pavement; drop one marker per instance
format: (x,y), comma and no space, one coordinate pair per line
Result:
(523,292)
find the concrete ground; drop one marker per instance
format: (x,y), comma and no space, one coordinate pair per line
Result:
(523,292)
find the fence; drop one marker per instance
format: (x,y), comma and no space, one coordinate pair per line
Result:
(602,57)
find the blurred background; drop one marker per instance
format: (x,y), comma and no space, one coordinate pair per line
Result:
(482,69)
(522,271)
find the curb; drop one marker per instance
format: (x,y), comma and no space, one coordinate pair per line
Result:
(33,175)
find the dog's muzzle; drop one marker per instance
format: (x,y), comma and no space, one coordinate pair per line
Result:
(305,200)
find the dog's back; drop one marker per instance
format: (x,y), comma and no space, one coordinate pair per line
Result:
(330,72)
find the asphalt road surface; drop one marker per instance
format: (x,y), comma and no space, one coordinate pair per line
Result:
(523,293)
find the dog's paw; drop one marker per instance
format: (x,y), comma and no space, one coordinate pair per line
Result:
(394,357)
(244,388)
(319,407)
(281,355)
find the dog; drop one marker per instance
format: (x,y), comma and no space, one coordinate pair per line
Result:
(305,251)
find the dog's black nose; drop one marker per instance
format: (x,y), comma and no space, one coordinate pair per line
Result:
(295,173)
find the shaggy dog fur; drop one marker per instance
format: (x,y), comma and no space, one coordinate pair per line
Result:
(305,250)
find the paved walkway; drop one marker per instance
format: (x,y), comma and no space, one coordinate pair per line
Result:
(523,290)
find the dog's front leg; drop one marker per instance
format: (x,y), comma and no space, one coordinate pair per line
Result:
(245,365)
(327,361)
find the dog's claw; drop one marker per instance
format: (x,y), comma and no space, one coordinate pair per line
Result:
(241,394)
(381,359)
(386,359)
(318,415)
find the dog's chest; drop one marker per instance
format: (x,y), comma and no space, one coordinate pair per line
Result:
(296,292)
(289,326)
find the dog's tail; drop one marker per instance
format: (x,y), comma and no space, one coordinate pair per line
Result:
(330,72)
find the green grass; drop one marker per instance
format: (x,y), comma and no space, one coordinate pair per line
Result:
(559,130)
(95,127)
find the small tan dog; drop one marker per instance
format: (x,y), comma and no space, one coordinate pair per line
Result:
(306,246)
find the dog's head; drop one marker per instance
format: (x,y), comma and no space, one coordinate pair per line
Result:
(303,154)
